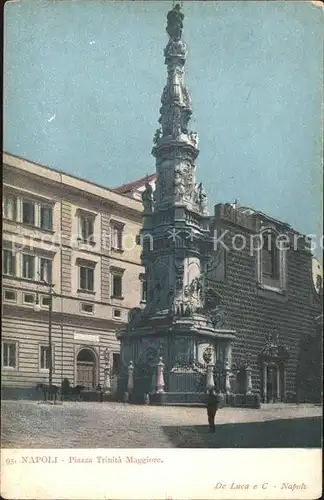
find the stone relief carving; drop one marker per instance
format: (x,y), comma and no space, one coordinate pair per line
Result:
(187,172)
(183,349)
(135,316)
(179,188)
(165,182)
(157,136)
(202,197)
(187,98)
(194,138)
(150,349)
(207,354)
(179,270)
(175,115)
(218,317)
(185,116)
(147,198)
(175,124)
(161,282)
(196,287)
(175,48)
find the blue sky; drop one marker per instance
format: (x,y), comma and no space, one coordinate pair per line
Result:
(83,81)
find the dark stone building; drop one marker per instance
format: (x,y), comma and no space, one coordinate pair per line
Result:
(269,298)
(230,302)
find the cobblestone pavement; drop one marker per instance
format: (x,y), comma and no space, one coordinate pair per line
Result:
(29,424)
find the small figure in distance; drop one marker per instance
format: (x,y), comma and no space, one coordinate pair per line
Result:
(213,404)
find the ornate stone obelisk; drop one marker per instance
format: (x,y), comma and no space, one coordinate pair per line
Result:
(179,321)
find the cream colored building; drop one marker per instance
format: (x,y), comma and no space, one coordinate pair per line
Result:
(81,237)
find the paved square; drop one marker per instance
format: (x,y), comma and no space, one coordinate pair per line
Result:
(30,424)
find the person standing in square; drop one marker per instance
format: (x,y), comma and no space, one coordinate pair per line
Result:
(213,404)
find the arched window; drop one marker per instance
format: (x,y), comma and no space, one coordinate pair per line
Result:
(144,287)
(271,261)
(270,256)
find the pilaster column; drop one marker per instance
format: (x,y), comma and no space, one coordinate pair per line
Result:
(248,380)
(227,366)
(107,381)
(153,382)
(107,371)
(227,380)
(278,382)
(160,376)
(228,356)
(265,382)
(283,391)
(130,381)
(210,377)
(232,382)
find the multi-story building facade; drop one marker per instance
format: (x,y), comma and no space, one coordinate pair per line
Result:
(80,238)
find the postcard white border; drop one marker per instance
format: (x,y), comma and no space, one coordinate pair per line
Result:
(161,474)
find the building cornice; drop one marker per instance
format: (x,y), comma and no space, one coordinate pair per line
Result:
(74,184)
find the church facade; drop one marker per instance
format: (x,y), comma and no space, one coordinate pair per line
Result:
(266,288)
(230,299)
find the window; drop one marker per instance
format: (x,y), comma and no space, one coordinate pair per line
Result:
(45,270)
(86,278)
(44,357)
(9,355)
(28,212)
(117,313)
(116,360)
(117,236)
(28,298)
(117,285)
(45,301)
(28,266)
(87,308)
(272,265)
(9,295)
(45,217)
(144,290)
(9,263)
(87,229)
(10,207)
(270,257)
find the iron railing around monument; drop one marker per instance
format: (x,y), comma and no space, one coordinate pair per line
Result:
(186,377)
(144,381)
(118,380)
(219,375)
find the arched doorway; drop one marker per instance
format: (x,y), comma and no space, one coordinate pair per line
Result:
(87,368)
(273,359)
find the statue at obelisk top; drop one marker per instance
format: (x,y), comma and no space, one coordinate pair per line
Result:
(175,22)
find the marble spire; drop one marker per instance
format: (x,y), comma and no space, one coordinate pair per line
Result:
(175,146)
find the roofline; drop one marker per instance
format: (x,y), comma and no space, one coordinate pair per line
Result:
(81,179)
(272,219)
(132,185)
(112,190)
(262,214)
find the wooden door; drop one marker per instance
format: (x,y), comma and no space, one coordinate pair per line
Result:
(85,374)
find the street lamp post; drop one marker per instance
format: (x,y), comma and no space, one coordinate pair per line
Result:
(50,294)
(50,364)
